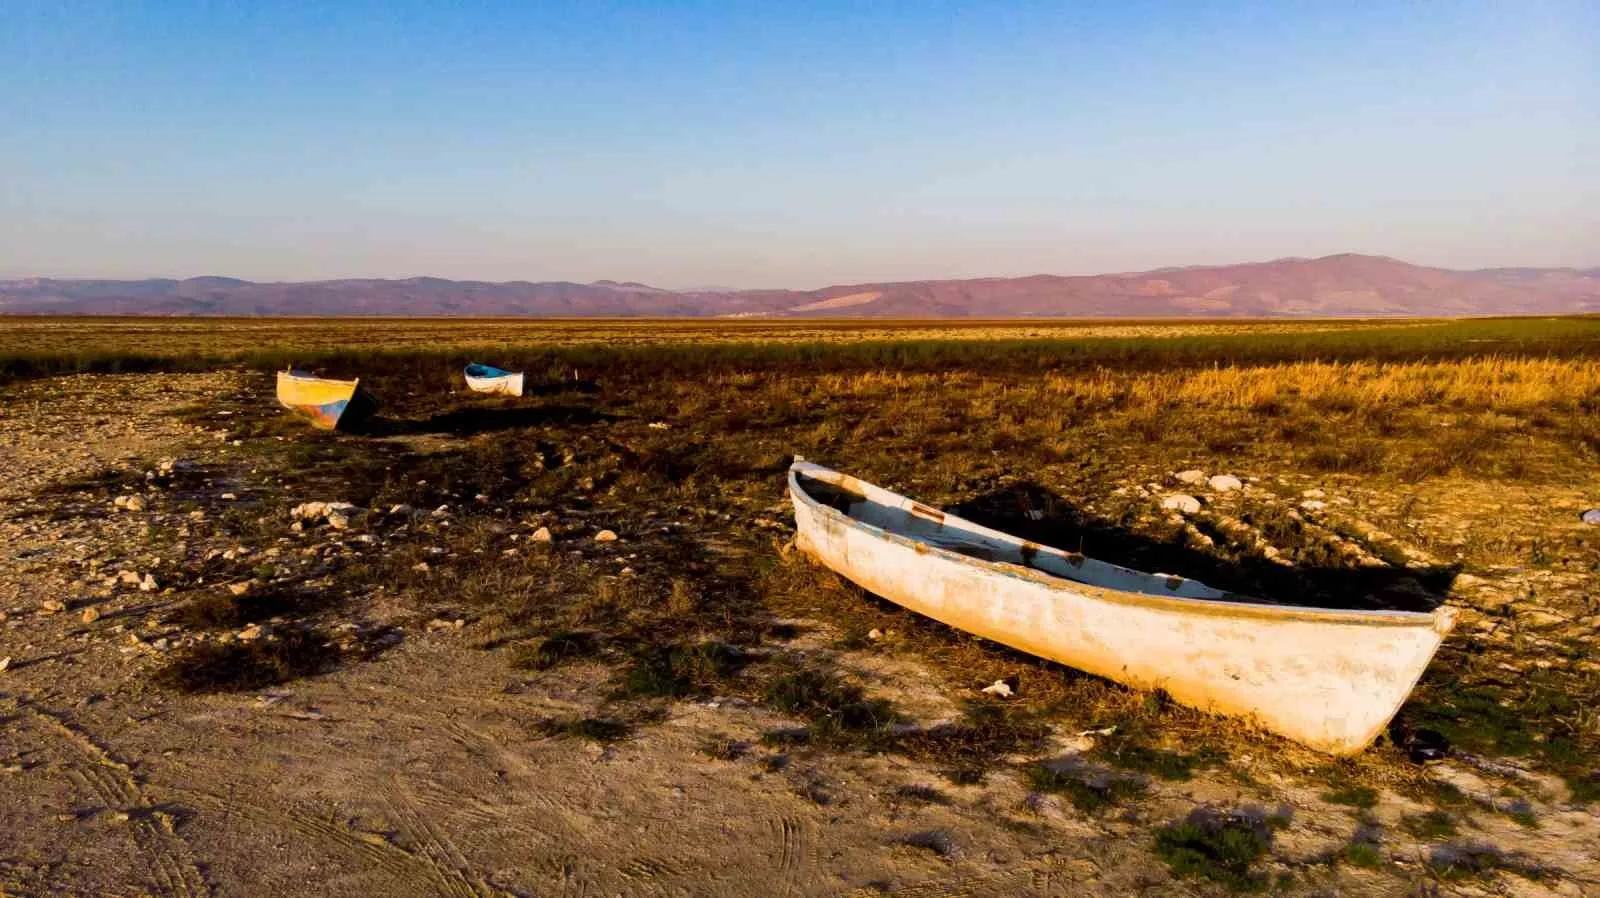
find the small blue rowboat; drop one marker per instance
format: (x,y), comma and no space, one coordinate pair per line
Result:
(328,404)
(489,379)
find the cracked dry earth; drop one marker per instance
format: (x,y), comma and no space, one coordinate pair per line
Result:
(418,774)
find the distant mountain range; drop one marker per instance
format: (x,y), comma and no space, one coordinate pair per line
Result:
(1333,286)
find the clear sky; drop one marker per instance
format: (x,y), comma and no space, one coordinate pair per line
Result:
(789,144)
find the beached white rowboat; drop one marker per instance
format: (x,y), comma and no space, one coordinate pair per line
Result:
(489,379)
(1329,678)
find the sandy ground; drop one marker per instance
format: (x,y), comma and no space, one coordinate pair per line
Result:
(419,773)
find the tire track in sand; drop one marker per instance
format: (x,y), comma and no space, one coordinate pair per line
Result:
(94,769)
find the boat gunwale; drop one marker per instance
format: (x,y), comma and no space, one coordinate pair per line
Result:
(466,371)
(1441,619)
(305,377)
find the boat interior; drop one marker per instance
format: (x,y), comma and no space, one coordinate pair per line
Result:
(897,514)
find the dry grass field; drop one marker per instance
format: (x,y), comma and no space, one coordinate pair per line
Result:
(504,689)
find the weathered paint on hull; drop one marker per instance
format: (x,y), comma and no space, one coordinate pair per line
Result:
(1328,678)
(326,403)
(510,384)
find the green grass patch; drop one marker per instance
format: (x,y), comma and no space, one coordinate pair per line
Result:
(679,670)
(1429,827)
(1352,795)
(1090,791)
(1222,849)
(1362,853)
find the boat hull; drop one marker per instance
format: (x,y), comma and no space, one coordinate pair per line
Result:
(327,404)
(1328,678)
(507,383)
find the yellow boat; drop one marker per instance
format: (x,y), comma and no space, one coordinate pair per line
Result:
(328,404)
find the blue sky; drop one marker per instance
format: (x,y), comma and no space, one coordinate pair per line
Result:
(766,144)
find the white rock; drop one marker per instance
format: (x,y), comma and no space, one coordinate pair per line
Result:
(5,662)
(148,584)
(1592,516)
(238,589)
(309,511)
(250,633)
(1191,476)
(338,520)
(542,535)
(134,503)
(1313,494)
(659,425)
(1313,505)
(605,536)
(999,689)
(874,634)
(1225,483)
(1182,503)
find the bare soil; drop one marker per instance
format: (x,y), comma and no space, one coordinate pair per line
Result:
(417,761)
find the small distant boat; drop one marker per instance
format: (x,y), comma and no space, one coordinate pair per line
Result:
(489,379)
(1328,678)
(327,403)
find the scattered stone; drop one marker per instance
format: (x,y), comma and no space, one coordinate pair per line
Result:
(874,634)
(1225,483)
(1191,476)
(401,510)
(659,425)
(421,567)
(130,503)
(1592,516)
(250,633)
(542,535)
(338,520)
(605,536)
(442,511)
(148,584)
(229,497)
(53,607)
(1313,494)
(128,578)
(1313,505)
(238,589)
(90,614)
(998,689)
(5,662)
(1181,503)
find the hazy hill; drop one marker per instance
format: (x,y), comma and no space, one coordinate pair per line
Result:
(1334,286)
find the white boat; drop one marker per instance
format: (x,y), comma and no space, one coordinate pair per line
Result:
(1328,678)
(489,379)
